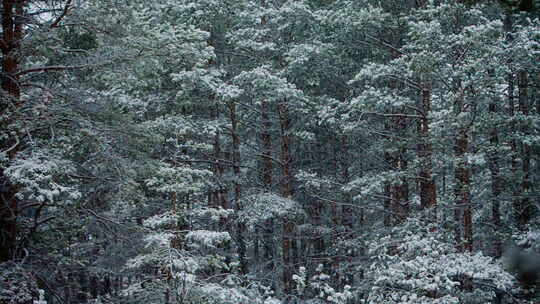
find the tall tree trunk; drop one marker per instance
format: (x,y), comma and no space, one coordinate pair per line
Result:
(267,168)
(516,203)
(219,170)
(12,16)
(288,243)
(347,211)
(238,187)
(462,185)
(513,146)
(389,163)
(12,31)
(402,189)
(82,296)
(428,190)
(387,203)
(346,208)
(334,212)
(525,210)
(176,241)
(496,182)
(462,192)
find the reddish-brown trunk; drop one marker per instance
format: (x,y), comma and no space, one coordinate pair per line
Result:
(388,189)
(513,146)
(237,187)
(236,151)
(318,244)
(266,141)
(266,178)
(289,244)
(516,202)
(463,201)
(428,190)
(219,170)
(12,33)
(495,185)
(346,209)
(525,209)
(402,189)
(387,203)
(462,185)
(12,12)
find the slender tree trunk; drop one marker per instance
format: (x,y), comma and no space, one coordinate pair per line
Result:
(68,289)
(288,243)
(397,162)
(12,15)
(402,190)
(428,190)
(462,186)
(525,210)
(81,295)
(388,203)
(94,287)
(219,170)
(334,210)
(462,192)
(176,241)
(496,183)
(12,30)
(346,208)
(319,243)
(238,187)
(516,202)
(267,168)
(513,146)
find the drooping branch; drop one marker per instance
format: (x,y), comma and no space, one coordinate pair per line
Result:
(51,68)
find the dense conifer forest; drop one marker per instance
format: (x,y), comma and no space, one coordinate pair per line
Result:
(270,151)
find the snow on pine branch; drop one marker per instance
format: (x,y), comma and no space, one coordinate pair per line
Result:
(261,207)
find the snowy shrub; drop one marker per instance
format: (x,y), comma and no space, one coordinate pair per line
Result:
(524,260)
(319,287)
(261,207)
(419,267)
(17,285)
(39,174)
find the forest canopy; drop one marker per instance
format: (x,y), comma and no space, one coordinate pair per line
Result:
(270,151)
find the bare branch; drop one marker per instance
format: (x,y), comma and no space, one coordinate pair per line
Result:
(67,6)
(51,68)
(395,115)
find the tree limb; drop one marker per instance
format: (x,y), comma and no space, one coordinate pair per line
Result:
(51,68)
(57,21)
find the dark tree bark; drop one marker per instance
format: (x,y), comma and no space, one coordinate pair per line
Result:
(428,190)
(288,240)
(496,184)
(516,202)
(389,164)
(346,208)
(219,170)
(267,170)
(525,209)
(463,196)
(401,189)
(12,31)
(387,203)
(238,187)
(94,287)
(463,215)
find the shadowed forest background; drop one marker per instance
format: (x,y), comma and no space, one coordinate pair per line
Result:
(269,151)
